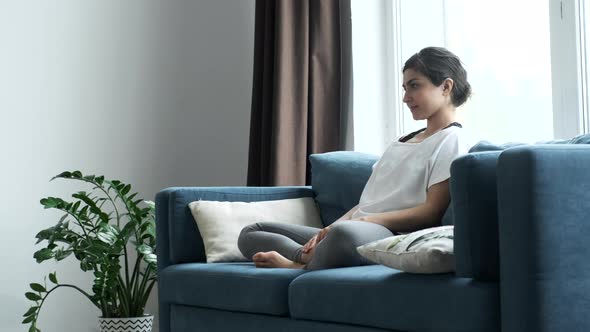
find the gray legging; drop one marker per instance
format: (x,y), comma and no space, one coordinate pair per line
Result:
(337,249)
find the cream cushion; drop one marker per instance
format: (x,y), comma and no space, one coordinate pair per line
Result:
(426,251)
(220,223)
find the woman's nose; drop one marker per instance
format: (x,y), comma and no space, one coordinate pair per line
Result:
(406,97)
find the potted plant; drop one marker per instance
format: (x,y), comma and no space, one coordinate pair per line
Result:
(101,228)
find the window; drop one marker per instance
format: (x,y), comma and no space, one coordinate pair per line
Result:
(515,54)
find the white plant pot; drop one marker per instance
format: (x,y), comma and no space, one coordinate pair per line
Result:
(132,324)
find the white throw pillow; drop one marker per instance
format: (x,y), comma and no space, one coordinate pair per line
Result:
(220,223)
(426,251)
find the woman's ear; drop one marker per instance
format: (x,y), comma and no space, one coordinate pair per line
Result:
(448,86)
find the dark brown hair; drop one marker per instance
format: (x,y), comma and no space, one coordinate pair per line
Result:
(438,64)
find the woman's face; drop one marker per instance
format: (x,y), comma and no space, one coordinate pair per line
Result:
(423,98)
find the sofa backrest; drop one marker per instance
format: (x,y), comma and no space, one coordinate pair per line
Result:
(338,179)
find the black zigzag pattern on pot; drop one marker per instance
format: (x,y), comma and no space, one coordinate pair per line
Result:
(138,325)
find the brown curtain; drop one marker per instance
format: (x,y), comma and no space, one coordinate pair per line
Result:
(301,87)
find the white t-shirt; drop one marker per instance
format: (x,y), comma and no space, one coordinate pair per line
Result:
(402,176)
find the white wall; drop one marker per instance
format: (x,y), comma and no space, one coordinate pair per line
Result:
(155,93)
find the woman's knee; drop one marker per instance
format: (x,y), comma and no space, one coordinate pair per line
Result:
(341,243)
(342,233)
(250,228)
(244,240)
(347,236)
(359,232)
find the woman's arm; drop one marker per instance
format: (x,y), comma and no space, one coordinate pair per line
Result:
(348,214)
(428,214)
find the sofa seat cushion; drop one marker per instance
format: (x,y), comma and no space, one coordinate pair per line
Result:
(227,286)
(382,297)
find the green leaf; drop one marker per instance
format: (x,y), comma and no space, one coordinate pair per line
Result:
(54,233)
(125,190)
(62,221)
(147,237)
(129,228)
(150,204)
(44,234)
(132,196)
(149,228)
(85,266)
(53,278)
(150,258)
(50,202)
(38,288)
(33,328)
(83,211)
(65,175)
(107,238)
(76,206)
(83,196)
(96,250)
(144,249)
(62,254)
(31,311)
(43,255)
(29,319)
(32,296)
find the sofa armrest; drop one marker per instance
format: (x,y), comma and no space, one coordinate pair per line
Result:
(177,234)
(544,227)
(474,204)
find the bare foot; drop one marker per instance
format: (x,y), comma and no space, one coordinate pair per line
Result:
(274,259)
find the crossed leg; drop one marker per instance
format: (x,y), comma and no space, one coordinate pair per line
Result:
(276,245)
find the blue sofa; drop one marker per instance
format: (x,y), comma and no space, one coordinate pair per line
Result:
(521,226)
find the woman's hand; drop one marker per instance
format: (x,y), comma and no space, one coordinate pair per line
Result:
(310,244)
(313,242)
(322,234)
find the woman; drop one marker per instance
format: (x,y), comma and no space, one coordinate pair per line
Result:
(408,189)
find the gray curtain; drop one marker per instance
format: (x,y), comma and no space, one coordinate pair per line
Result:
(302,86)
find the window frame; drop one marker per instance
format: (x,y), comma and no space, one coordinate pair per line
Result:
(584,58)
(571,98)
